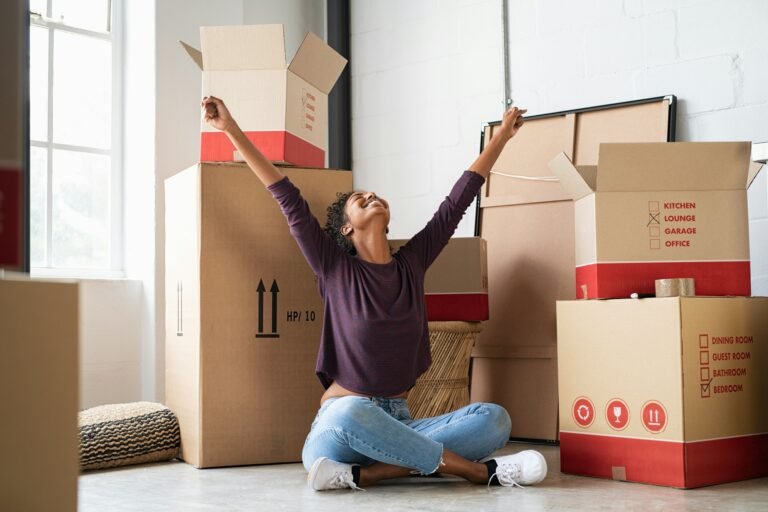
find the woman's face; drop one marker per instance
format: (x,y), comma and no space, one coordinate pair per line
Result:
(362,208)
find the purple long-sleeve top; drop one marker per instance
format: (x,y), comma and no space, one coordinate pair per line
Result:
(375,339)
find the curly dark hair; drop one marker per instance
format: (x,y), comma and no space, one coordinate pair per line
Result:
(336,218)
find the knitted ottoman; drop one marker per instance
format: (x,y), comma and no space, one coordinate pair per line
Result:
(124,434)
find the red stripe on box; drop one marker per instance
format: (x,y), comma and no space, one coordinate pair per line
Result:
(300,152)
(726,460)
(467,307)
(10,218)
(684,465)
(644,460)
(617,280)
(278,146)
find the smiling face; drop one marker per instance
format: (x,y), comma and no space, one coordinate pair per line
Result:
(364,210)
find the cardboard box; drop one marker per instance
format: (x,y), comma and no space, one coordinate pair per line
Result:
(243,315)
(668,391)
(282,109)
(39,395)
(527,218)
(661,210)
(456,284)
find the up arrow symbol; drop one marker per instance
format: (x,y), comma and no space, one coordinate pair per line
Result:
(274,289)
(261,289)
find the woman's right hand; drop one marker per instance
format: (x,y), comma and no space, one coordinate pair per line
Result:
(216,114)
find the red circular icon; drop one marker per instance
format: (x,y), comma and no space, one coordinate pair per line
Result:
(617,414)
(654,417)
(583,412)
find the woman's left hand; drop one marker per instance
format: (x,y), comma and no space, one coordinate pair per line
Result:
(512,121)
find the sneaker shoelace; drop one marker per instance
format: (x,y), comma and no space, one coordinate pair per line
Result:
(507,475)
(342,479)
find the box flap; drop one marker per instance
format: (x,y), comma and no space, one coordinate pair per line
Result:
(633,167)
(317,63)
(235,47)
(196,54)
(760,152)
(754,170)
(575,181)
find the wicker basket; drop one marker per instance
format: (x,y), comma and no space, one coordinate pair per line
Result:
(445,386)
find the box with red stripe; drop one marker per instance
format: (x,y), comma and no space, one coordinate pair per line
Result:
(456,284)
(283,109)
(665,391)
(652,211)
(11,243)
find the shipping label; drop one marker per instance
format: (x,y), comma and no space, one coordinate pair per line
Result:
(671,224)
(724,363)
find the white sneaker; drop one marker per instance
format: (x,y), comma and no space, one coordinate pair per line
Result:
(524,468)
(326,474)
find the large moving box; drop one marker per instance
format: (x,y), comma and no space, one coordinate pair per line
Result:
(669,391)
(282,109)
(656,210)
(38,395)
(243,315)
(456,284)
(527,218)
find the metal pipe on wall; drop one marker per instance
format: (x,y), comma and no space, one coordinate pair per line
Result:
(339,111)
(505,52)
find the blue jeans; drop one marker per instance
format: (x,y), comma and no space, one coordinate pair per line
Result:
(362,430)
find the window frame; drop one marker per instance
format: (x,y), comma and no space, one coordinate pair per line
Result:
(113,34)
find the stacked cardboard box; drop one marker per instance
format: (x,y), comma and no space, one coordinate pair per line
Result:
(243,312)
(456,284)
(527,217)
(282,109)
(667,391)
(38,394)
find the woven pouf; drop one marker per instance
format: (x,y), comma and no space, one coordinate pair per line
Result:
(125,434)
(445,386)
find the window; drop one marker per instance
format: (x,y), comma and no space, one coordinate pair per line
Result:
(76,181)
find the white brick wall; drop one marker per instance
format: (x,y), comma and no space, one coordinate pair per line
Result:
(427,74)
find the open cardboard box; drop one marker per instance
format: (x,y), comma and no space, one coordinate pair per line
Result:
(661,210)
(282,109)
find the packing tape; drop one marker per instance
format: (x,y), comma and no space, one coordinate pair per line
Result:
(684,287)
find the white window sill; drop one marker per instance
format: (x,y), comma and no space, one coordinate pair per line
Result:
(94,275)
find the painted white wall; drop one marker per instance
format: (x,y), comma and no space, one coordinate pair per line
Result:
(139,210)
(298,17)
(110,354)
(712,55)
(426,75)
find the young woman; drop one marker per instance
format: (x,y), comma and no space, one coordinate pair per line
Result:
(375,341)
